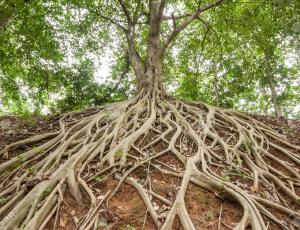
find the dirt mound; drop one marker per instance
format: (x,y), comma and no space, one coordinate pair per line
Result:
(126,210)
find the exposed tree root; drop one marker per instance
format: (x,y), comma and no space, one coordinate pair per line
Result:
(33,184)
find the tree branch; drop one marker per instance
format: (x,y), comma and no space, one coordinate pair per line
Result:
(98,13)
(187,21)
(161,8)
(209,26)
(112,21)
(155,19)
(126,12)
(136,14)
(133,55)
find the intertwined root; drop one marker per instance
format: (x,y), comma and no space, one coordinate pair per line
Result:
(213,145)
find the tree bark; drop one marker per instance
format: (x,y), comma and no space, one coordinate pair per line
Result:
(151,79)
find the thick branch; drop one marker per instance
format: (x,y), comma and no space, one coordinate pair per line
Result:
(133,55)
(155,18)
(172,17)
(156,11)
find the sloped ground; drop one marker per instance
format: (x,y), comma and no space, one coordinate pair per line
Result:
(126,211)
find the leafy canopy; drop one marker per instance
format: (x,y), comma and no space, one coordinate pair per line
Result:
(51,53)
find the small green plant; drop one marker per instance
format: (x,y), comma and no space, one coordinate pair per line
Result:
(226,177)
(119,153)
(98,179)
(239,161)
(128,227)
(27,118)
(17,165)
(102,225)
(20,159)
(209,215)
(242,174)
(108,114)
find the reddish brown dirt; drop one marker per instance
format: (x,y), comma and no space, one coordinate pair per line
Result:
(126,210)
(14,129)
(70,213)
(205,209)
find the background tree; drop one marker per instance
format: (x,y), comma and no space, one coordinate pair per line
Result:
(238,40)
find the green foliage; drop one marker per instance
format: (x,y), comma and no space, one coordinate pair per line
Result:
(98,179)
(232,51)
(128,227)
(46,59)
(50,53)
(119,153)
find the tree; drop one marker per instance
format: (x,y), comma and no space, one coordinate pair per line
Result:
(238,41)
(120,138)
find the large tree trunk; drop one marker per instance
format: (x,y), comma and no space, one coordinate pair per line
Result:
(152,80)
(149,76)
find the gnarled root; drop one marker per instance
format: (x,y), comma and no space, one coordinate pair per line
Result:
(211,144)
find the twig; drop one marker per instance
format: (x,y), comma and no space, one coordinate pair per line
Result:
(220,216)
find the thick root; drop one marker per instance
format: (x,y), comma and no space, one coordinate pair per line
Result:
(211,144)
